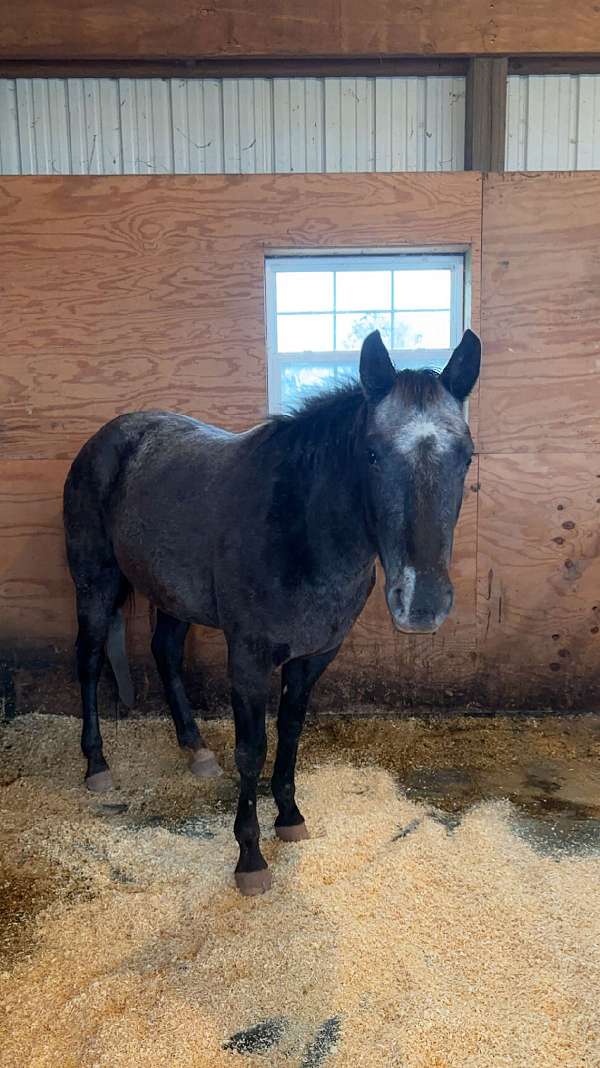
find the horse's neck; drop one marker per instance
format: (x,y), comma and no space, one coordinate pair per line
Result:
(315,463)
(336,504)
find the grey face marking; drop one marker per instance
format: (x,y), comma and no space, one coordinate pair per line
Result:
(422,428)
(439,424)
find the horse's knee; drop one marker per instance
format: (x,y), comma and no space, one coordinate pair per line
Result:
(250,757)
(89,646)
(290,730)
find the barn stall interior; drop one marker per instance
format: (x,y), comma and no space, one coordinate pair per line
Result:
(206,210)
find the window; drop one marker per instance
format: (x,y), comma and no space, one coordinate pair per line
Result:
(320,309)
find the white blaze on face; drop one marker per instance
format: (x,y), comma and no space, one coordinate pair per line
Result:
(409,578)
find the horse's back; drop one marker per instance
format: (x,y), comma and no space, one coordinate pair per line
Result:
(101,462)
(145,489)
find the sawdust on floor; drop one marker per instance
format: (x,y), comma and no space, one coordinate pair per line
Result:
(389,939)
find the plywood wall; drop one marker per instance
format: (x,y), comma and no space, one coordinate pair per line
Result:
(538,560)
(130,292)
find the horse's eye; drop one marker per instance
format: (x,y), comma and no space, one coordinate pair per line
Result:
(372,456)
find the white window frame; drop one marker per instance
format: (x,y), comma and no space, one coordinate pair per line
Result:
(364,260)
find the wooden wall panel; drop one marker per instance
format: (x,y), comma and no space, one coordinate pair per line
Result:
(539,579)
(128,293)
(35,590)
(125,29)
(541,313)
(538,561)
(54,401)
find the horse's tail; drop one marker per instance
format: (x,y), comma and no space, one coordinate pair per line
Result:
(117,655)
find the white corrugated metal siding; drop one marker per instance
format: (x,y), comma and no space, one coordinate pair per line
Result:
(233,126)
(553,122)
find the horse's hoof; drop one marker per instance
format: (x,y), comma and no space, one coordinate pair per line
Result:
(297,833)
(204,764)
(251,883)
(99,783)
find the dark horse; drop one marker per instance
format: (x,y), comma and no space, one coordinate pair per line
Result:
(271,536)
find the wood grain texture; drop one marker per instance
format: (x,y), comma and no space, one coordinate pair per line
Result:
(538,541)
(142,292)
(36,594)
(54,403)
(541,313)
(539,579)
(151,29)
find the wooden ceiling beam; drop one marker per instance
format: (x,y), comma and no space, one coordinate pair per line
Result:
(189,29)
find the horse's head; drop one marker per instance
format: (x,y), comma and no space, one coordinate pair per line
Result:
(416,453)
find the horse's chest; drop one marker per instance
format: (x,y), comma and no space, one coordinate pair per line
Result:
(322,617)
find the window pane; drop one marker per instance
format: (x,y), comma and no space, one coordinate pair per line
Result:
(300,381)
(363,289)
(422,289)
(353,327)
(304,333)
(422,330)
(304,291)
(346,372)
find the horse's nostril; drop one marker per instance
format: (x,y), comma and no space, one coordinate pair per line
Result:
(396,601)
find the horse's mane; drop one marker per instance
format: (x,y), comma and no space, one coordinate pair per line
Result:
(327,418)
(332,417)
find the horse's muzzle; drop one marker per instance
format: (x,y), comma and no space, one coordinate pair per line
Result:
(420,602)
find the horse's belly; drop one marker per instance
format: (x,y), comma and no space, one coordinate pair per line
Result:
(181,587)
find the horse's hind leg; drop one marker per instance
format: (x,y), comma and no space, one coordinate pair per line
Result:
(297,680)
(167,646)
(97,600)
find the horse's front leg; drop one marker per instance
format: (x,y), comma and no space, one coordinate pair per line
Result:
(297,680)
(250,674)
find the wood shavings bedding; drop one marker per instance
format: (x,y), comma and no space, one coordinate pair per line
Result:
(429,950)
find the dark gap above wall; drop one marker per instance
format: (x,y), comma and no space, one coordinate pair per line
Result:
(302,67)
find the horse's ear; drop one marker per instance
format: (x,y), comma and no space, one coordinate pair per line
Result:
(377,374)
(462,370)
